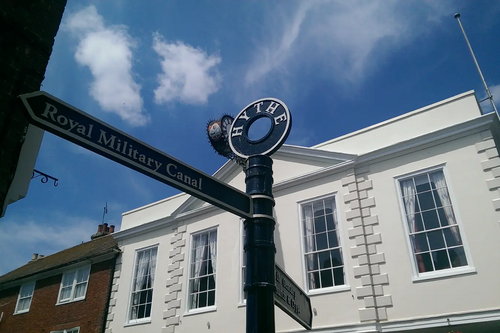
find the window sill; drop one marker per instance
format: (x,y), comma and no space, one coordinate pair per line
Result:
(138,322)
(242,304)
(69,302)
(201,310)
(444,274)
(329,290)
(21,312)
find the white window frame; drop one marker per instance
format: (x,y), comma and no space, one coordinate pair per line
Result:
(17,311)
(73,288)
(343,246)
(131,290)
(416,276)
(71,330)
(188,310)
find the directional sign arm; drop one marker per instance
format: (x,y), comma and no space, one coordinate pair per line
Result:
(290,298)
(59,118)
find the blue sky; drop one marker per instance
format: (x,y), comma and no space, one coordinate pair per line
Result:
(160,70)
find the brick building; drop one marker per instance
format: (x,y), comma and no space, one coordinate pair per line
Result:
(66,292)
(28,29)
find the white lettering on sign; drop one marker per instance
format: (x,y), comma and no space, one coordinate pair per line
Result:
(127,149)
(286,292)
(50,113)
(279,119)
(172,172)
(272,107)
(244,116)
(237,131)
(258,106)
(107,140)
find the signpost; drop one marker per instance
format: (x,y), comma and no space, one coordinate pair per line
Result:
(290,298)
(266,283)
(70,123)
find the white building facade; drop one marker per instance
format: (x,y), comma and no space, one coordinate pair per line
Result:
(388,229)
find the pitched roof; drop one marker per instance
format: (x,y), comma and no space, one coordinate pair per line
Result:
(75,254)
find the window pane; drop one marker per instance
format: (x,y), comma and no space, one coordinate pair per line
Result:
(211,298)
(332,239)
(442,217)
(338,276)
(330,225)
(329,206)
(436,240)
(312,261)
(27,290)
(321,241)
(194,285)
(430,219)
(324,259)
(314,280)
(65,293)
(318,208)
(452,236)
(68,279)
(320,224)
(419,226)
(82,275)
(426,201)
(437,200)
(24,304)
(141,309)
(440,259)
(326,278)
(421,243)
(336,258)
(211,283)
(147,312)
(80,290)
(457,256)
(422,183)
(424,262)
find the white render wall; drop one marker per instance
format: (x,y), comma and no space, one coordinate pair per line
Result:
(478,219)
(425,120)
(371,226)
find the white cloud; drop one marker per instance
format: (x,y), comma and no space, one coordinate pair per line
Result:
(189,74)
(107,52)
(346,38)
(21,238)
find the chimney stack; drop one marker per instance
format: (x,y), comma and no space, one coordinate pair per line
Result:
(103,230)
(35,257)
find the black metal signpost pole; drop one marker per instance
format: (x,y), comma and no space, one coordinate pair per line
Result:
(259,246)
(259,229)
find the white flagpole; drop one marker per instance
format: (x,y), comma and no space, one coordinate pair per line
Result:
(489,96)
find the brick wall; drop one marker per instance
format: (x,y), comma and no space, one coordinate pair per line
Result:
(45,316)
(28,29)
